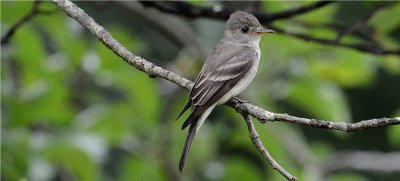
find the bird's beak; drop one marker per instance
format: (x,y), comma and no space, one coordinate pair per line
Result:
(263,31)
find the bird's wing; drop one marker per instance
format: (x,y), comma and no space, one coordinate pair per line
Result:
(217,77)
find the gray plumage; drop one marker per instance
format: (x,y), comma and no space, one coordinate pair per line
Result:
(227,71)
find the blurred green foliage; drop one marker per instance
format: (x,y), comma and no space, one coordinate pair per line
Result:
(72,110)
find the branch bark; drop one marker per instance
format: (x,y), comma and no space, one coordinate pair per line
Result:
(255,138)
(244,109)
(264,116)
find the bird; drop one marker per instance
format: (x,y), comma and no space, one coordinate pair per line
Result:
(227,71)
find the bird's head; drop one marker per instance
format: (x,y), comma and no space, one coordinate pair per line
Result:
(244,27)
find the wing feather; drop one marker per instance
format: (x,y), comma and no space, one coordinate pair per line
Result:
(228,73)
(218,77)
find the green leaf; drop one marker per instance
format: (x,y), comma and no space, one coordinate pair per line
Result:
(320,15)
(14,12)
(394,132)
(387,15)
(346,177)
(320,149)
(42,93)
(75,161)
(345,67)
(14,154)
(196,2)
(67,36)
(322,100)
(30,53)
(113,123)
(139,169)
(391,64)
(394,135)
(240,169)
(142,93)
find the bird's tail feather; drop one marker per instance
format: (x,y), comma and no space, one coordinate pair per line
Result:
(192,119)
(186,148)
(187,106)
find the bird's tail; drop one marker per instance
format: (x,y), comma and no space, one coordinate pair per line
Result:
(186,148)
(195,120)
(187,106)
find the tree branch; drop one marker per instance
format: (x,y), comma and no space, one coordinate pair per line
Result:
(243,108)
(360,47)
(255,138)
(192,11)
(33,13)
(338,28)
(264,116)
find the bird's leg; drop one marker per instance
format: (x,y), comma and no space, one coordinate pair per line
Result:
(237,102)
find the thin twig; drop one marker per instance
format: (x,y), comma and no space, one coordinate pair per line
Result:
(255,138)
(33,13)
(24,20)
(360,47)
(338,28)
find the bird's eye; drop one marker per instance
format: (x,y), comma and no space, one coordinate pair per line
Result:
(245,29)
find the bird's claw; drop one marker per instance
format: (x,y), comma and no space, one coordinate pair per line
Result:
(240,101)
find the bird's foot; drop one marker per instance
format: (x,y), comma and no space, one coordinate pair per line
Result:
(240,101)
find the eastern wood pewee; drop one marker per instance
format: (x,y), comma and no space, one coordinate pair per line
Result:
(227,71)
